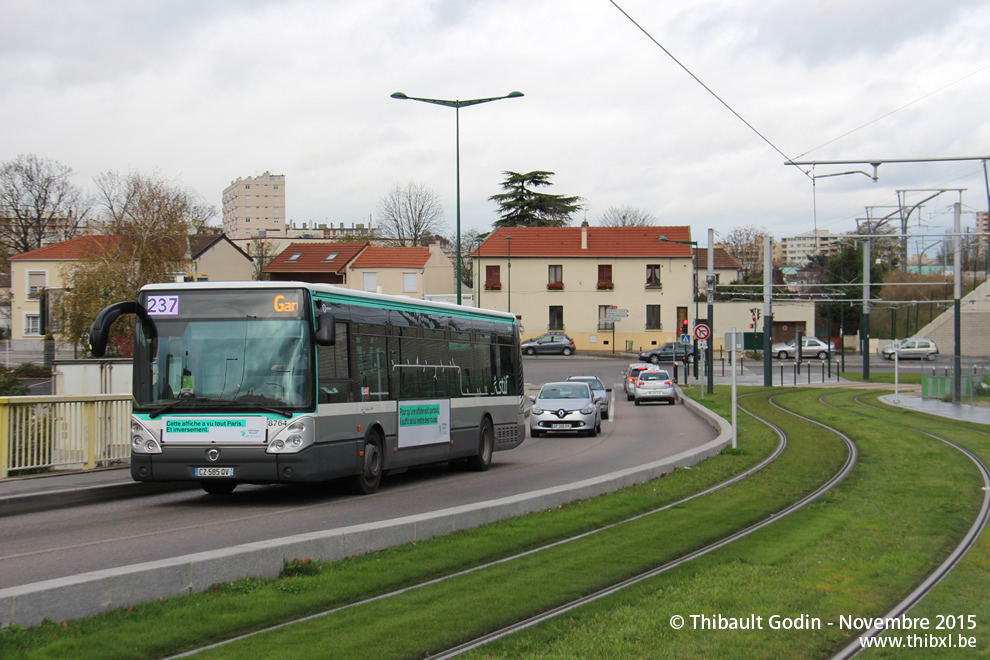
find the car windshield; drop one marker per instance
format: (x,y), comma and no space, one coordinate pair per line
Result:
(576,391)
(654,375)
(595,384)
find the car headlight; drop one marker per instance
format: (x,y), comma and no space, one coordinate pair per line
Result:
(537,410)
(587,410)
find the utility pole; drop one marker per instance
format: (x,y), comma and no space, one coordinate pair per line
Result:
(710,291)
(957,302)
(864,330)
(768,310)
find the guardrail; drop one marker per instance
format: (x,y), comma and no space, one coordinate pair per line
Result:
(63,432)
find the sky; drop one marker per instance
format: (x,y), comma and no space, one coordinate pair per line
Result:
(689,113)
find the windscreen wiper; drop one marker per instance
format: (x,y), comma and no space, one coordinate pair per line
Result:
(175,402)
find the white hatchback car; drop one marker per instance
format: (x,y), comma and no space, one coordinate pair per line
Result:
(911,348)
(565,406)
(810,347)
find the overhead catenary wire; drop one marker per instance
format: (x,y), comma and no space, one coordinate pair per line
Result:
(706,87)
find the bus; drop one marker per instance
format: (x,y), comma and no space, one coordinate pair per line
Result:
(293,382)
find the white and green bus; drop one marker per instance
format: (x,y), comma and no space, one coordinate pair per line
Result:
(291,382)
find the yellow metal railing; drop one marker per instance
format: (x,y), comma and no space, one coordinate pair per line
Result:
(63,432)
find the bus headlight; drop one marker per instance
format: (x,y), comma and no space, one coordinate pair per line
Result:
(143,441)
(293,438)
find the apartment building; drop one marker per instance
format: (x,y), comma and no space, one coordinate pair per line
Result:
(254,207)
(796,250)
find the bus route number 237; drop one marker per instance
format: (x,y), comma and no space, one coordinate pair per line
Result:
(163,305)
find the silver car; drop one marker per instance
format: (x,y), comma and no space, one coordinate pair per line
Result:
(565,406)
(603,395)
(911,348)
(655,385)
(810,347)
(629,378)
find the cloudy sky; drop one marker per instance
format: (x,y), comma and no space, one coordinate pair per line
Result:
(207,92)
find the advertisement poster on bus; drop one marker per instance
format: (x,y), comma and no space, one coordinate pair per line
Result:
(214,429)
(424,422)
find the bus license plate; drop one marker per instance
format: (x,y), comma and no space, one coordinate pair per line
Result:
(213,472)
(561,427)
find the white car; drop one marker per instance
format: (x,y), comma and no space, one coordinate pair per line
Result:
(810,347)
(603,395)
(565,406)
(911,348)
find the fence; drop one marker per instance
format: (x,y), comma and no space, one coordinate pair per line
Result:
(40,433)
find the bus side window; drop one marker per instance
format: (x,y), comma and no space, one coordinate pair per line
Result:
(334,368)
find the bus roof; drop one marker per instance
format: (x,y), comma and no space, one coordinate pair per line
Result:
(340,294)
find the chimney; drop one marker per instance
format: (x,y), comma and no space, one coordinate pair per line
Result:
(584,235)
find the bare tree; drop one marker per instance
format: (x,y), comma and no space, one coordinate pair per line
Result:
(38,204)
(410,215)
(745,244)
(626,216)
(262,252)
(150,220)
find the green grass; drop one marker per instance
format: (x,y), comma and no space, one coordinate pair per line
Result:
(913,378)
(853,552)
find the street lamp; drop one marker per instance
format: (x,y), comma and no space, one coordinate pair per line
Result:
(508,290)
(694,258)
(457,105)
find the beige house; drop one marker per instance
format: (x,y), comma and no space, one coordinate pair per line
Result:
(417,272)
(213,257)
(566,279)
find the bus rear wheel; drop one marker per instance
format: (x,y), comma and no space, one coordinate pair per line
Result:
(486,445)
(214,487)
(367,481)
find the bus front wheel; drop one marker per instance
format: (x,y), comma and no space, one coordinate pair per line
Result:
(367,481)
(486,441)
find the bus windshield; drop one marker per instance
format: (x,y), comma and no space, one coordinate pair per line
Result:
(201,360)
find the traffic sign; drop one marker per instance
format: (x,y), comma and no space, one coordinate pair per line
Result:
(702,332)
(685,339)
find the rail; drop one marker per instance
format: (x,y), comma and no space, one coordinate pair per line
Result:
(43,433)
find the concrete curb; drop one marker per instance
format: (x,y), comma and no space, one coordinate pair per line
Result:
(90,593)
(12,505)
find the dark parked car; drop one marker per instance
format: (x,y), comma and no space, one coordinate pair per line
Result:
(552,342)
(668,352)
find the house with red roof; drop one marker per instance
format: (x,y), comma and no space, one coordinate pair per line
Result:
(410,271)
(212,257)
(567,279)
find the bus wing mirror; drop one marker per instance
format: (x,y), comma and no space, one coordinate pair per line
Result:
(326,330)
(99,332)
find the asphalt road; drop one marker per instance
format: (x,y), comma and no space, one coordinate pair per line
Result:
(51,544)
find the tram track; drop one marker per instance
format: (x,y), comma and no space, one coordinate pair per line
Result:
(948,564)
(840,475)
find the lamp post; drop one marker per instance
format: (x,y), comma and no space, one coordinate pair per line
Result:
(477,271)
(694,290)
(457,105)
(508,289)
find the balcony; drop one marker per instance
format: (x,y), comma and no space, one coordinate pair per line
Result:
(493,286)
(555,286)
(657,286)
(605,286)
